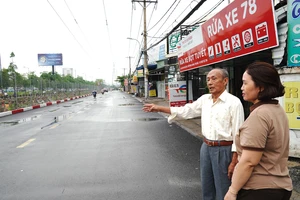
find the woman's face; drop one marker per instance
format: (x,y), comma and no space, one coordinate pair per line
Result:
(249,89)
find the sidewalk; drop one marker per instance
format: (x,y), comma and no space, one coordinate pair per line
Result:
(193,126)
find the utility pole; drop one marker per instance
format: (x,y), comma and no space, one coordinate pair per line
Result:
(146,72)
(124,79)
(129,75)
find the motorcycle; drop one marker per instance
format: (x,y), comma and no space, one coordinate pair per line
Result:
(94,94)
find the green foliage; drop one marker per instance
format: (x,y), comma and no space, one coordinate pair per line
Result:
(121,79)
(45,80)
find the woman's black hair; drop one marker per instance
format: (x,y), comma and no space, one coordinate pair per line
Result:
(266,77)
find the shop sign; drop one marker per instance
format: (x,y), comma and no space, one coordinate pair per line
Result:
(177,93)
(134,79)
(162,52)
(140,73)
(173,40)
(292,103)
(293,43)
(241,28)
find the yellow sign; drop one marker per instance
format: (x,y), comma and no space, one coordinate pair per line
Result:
(134,79)
(140,73)
(292,103)
(152,93)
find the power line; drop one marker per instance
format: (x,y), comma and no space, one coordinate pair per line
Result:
(77,24)
(166,19)
(207,13)
(67,28)
(181,22)
(162,16)
(131,19)
(138,33)
(152,13)
(176,19)
(109,40)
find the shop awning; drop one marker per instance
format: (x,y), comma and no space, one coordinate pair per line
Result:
(150,67)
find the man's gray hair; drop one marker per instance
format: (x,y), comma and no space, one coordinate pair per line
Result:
(224,72)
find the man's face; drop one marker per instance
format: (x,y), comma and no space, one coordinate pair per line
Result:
(215,82)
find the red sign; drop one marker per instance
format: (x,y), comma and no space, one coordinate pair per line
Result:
(243,27)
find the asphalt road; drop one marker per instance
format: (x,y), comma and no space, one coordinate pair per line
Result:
(103,148)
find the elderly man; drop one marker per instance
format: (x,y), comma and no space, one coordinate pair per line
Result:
(221,116)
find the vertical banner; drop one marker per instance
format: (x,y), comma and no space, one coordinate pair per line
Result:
(177,93)
(292,103)
(1,81)
(293,44)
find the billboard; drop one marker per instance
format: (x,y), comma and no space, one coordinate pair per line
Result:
(241,28)
(50,59)
(293,18)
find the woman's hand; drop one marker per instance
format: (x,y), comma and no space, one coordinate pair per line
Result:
(230,196)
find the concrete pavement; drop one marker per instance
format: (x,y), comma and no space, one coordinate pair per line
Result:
(192,126)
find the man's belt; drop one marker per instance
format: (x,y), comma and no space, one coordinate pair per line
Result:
(217,143)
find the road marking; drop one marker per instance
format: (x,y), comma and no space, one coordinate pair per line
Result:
(54,126)
(25,143)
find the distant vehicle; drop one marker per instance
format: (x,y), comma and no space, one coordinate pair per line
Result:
(10,89)
(94,93)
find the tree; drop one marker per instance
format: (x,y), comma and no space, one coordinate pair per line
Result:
(121,80)
(5,78)
(12,67)
(12,55)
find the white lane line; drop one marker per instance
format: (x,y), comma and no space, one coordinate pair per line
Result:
(25,143)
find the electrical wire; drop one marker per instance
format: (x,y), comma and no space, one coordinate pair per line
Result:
(166,30)
(162,16)
(181,22)
(141,42)
(78,24)
(68,28)
(131,19)
(197,21)
(109,40)
(166,19)
(152,13)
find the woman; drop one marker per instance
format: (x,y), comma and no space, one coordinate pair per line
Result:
(263,140)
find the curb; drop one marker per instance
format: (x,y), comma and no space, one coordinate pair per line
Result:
(19,110)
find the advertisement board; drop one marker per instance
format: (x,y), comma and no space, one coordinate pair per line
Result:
(140,73)
(241,28)
(50,59)
(177,93)
(293,18)
(292,103)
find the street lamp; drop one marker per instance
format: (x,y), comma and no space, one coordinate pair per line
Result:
(145,66)
(30,89)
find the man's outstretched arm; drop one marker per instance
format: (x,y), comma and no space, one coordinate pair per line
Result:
(156,108)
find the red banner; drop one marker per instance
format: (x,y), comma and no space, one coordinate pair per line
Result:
(243,27)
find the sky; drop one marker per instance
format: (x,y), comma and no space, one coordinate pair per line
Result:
(91,35)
